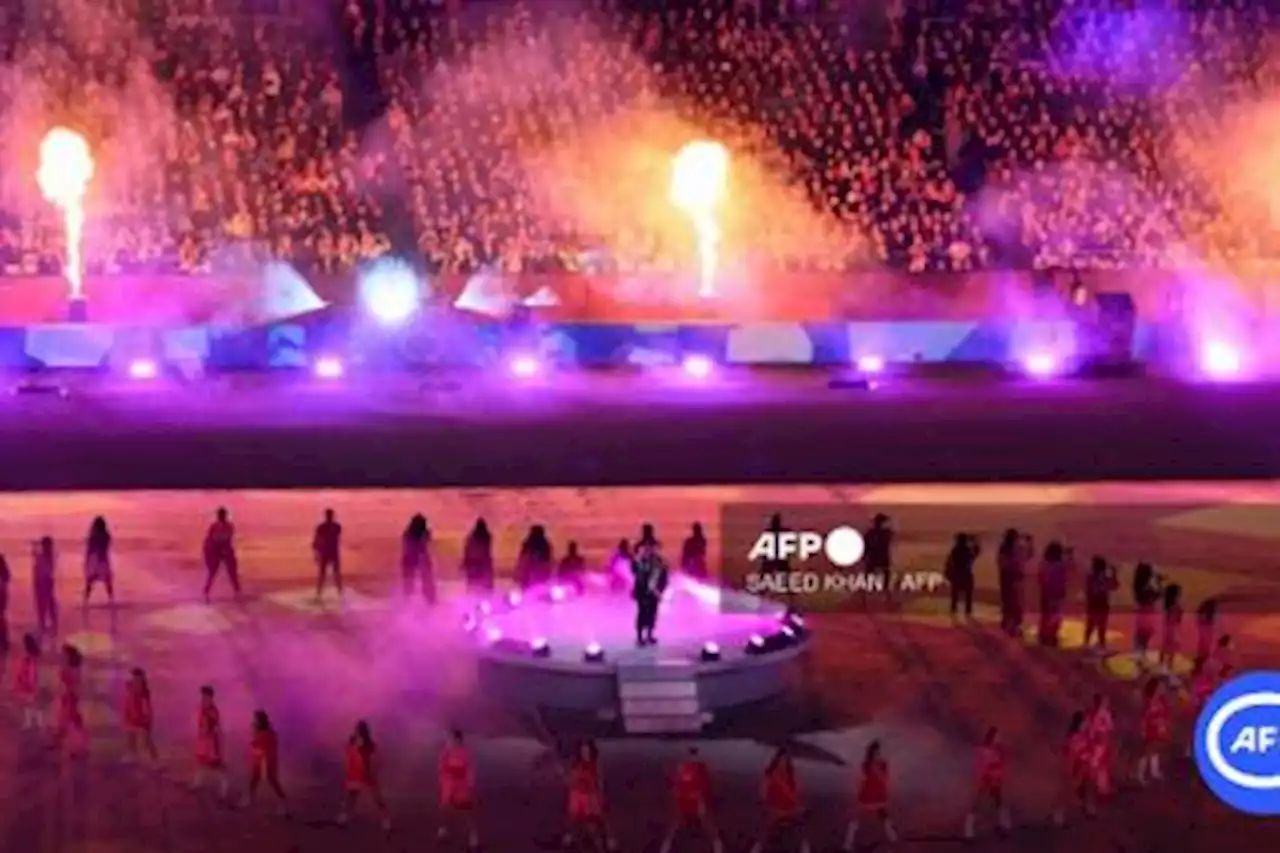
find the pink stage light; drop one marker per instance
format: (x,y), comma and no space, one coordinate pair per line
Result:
(525,367)
(870,364)
(1220,360)
(493,635)
(698,366)
(328,368)
(558,593)
(514,598)
(143,369)
(1041,365)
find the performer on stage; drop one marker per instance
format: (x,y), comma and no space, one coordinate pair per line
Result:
(1203,683)
(326,547)
(458,791)
(1171,631)
(416,564)
(26,684)
(1077,787)
(1099,730)
(873,797)
(1148,586)
(477,559)
(780,790)
(1015,553)
(1100,585)
(362,775)
(586,808)
(264,762)
(210,760)
(692,789)
(139,716)
(71,735)
(990,785)
(97,560)
(693,554)
(1155,731)
(1206,626)
(44,564)
(650,577)
(220,553)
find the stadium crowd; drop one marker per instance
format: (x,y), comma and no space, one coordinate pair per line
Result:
(949,134)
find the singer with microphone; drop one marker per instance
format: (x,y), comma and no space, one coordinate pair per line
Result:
(649,576)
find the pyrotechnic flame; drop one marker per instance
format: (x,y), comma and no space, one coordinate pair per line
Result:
(699,180)
(66,168)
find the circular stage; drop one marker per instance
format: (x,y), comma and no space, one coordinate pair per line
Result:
(570,648)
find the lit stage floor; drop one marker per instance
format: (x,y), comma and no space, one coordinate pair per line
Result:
(590,429)
(926,689)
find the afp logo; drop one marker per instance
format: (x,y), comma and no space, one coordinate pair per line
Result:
(1238,743)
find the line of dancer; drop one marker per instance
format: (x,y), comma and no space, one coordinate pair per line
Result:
(1089,758)
(1158,605)
(535,564)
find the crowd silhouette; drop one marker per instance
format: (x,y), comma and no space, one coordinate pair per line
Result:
(949,134)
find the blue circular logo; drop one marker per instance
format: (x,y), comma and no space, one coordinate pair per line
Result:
(1238,743)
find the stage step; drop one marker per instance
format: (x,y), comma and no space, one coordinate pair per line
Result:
(660,699)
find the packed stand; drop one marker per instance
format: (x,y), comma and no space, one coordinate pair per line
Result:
(951,135)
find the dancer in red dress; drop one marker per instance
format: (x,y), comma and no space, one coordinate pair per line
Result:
(264,762)
(990,785)
(458,790)
(1099,729)
(26,684)
(691,789)
(1206,626)
(71,734)
(361,765)
(1198,692)
(209,754)
(1156,724)
(139,716)
(873,797)
(1224,658)
(587,822)
(783,806)
(1077,772)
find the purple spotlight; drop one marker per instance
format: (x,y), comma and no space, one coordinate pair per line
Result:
(525,367)
(871,365)
(328,367)
(486,608)
(515,597)
(559,593)
(593,653)
(493,635)
(1220,360)
(698,366)
(143,369)
(1041,365)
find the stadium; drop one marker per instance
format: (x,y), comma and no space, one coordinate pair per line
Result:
(593,293)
